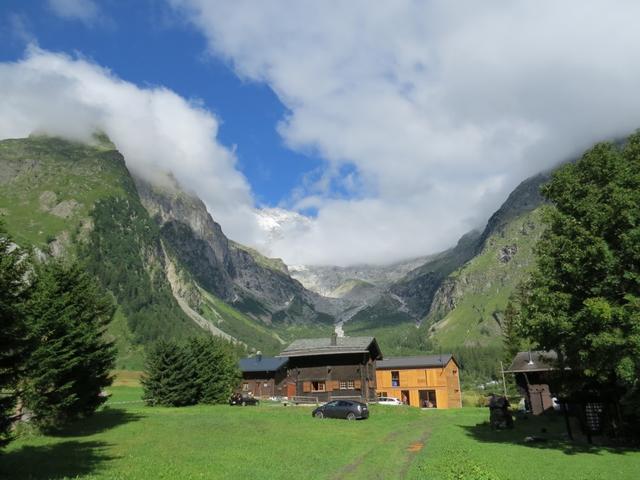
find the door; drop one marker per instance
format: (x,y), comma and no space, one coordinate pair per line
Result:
(291,390)
(332,410)
(405,397)
(427,399)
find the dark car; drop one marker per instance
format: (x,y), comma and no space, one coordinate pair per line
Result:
(243,399)
(349,409)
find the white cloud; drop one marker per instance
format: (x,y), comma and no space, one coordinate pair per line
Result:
(154,128)
(84,10)
(441,107)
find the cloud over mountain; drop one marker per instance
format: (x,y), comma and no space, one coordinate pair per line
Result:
(155,129)
(427,112)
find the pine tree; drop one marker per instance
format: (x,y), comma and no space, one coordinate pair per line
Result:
(14,291)
(169,378)
(216,369)
(70,364)
(510,333)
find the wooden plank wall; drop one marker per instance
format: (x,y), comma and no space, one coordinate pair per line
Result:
(445,382)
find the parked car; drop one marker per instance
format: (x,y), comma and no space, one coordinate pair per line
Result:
(349,409)
(243,399)
(389,401)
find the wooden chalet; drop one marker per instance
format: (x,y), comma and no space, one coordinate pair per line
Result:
(335,367)
(264,376)
(536,376)
(430,381)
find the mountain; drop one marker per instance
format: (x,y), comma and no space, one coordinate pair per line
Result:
(455,299)
(172,271)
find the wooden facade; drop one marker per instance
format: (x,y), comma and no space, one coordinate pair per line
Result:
(428,381)
(330,368)
(264,377)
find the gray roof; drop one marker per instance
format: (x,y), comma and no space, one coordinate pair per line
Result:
(262,364)
(322,346)
(539,361)
(424,361)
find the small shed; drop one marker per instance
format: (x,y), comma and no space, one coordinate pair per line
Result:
(536,375)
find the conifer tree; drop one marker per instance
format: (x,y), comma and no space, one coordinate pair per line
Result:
(216,369)
(169,376)
(14,290)
(71,361)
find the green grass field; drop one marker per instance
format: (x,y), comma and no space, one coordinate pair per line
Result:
(127,440)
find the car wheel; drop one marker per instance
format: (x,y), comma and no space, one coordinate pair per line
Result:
(351,416)
(319,415)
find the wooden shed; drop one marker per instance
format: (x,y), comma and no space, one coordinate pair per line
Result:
(536,376)
(430,381)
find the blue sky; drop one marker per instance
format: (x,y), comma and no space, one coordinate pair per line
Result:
(382,130)
(143,42)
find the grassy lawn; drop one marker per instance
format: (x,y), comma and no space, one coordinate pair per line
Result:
(127,440)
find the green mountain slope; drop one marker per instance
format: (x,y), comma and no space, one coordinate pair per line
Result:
(455,300)
(171,270)
(468,307)
(72,200)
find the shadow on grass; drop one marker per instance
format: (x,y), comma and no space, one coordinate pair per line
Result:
(549,433)
(62,460)
(103,420)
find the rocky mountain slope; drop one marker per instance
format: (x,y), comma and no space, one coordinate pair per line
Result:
(171,269)
(456,298)
(174,273)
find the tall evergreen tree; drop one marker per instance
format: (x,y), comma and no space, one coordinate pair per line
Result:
(14,291)
(169,378)
(583,299)
(216,369)
(71,361)
(511,333)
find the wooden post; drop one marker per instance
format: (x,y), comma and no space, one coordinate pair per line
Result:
(504,382)
(566,419)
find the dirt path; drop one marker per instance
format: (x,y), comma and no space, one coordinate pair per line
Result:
(410,449)
(413,450)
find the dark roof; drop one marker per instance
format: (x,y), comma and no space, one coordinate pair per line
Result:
(424,361)
(262,364)
(539,361)
(322,346)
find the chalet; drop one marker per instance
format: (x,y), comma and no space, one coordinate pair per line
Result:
(336,367)
(431,381)
(536,376)
(264,376)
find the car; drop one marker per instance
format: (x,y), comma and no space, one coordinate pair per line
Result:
(389,401)
(349,409)
(243,399)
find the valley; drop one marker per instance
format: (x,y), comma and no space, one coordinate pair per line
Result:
(174,273)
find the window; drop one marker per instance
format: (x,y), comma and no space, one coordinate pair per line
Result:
(318,386)
(395,379)
(245,387)
(350,385)
(382,394)
(343,385)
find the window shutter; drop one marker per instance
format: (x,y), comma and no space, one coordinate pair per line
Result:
(306,387)
(357,384)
